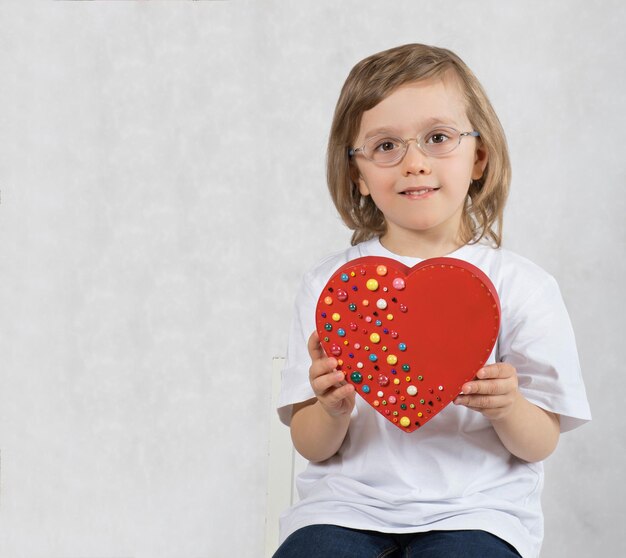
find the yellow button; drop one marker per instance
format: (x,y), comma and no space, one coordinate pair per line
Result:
(375,338)
(405,421)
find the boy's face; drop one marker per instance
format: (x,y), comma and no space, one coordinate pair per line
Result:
(420,196)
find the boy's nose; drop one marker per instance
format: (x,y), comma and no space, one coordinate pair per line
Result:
(415,160)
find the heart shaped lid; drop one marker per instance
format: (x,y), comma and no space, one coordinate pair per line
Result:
(408,338)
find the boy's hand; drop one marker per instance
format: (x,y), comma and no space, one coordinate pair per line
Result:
(334,394)
(493,393)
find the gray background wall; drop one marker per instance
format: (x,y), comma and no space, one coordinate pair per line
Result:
(162,191)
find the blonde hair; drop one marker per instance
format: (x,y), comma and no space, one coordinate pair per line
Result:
(369,82)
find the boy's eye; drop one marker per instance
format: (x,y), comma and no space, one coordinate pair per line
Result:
(437,137)
(387,144)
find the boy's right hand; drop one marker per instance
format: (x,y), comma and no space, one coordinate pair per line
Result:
(335,395)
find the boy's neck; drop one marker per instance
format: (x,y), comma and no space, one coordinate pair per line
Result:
(422,245)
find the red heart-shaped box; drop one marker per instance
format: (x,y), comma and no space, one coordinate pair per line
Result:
(408,338)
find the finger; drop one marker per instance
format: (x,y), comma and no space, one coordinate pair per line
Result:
(489,387)
(482,402)
(326,382)
(321,367)
(315,347)
(337,395)
(494,371)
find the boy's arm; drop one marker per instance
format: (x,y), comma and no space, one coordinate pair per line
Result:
(319,425)
(527,431)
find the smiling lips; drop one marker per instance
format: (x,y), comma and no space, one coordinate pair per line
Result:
(418,192)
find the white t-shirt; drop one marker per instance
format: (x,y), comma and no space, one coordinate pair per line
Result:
(454,473)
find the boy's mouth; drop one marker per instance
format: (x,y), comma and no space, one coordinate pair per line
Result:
(418,191)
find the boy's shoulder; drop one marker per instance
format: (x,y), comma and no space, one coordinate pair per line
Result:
(508,262)
(324,268)
(513,275)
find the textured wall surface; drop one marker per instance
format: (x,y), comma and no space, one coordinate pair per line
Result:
(162,191)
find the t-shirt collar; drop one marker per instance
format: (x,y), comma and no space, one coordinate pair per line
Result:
(373,247)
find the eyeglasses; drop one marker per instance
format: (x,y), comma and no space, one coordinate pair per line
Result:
(385,150)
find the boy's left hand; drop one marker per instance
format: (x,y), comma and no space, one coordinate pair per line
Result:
(493,392)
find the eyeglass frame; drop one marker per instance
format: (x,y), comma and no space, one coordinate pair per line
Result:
(352,151)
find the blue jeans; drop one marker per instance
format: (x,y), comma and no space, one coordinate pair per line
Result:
(330,541)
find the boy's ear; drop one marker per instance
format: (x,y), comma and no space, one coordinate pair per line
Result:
(481,157)
(365,191)
(357,179)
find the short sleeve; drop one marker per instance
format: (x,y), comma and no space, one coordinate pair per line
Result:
(538,340)
(295,386)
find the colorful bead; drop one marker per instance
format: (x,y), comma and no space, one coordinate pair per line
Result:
(381,270)
(405,421)
(392,359)
(356,377)
(375,338)
(398,283)
(372,284)
(381,303)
